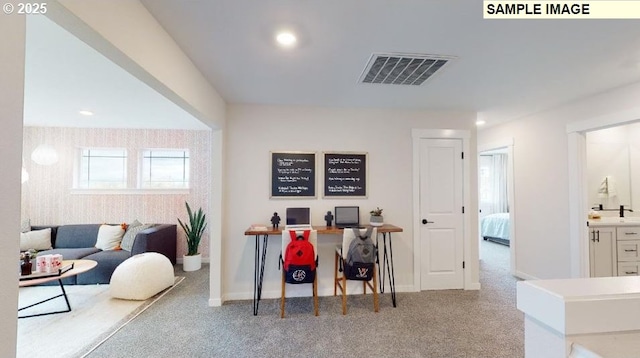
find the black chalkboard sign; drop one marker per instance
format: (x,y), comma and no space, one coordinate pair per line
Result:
(293,174)
(345,174)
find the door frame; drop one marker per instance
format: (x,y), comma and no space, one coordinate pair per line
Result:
(470,246)
(578,196)
(508,144)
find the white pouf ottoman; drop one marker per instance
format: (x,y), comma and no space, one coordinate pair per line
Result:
(141,276)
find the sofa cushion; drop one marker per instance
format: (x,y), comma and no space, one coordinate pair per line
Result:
(130,236)
(107,263)
(71,254)
(36,239)
(74,236)
(109,237)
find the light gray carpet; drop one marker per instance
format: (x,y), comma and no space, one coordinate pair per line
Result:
(451,323)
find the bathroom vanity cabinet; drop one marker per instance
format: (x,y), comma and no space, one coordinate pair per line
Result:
(614,249)
(602,252)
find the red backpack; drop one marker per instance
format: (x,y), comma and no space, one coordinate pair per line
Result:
(300,256)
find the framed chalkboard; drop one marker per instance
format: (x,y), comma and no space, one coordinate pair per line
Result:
(293,174)
(345,174)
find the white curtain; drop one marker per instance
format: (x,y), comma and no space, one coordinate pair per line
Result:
(501,200)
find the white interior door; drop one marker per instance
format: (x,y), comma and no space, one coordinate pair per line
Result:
(442,220)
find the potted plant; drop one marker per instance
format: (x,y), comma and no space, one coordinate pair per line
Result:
(193,230)
(376,217)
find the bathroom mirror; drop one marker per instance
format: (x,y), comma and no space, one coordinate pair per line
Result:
(613,166)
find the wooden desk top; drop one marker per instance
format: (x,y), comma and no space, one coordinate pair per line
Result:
(322,230)
(79,266)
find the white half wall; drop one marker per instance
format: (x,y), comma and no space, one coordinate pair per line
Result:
(11,109)
(544,188)
(253,131)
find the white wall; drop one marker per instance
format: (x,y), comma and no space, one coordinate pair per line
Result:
(11,109)
(48,196)
(253,131)
(541,177)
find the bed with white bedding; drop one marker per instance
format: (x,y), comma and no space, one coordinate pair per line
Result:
(495,227)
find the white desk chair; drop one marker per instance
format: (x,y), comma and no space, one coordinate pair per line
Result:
(286,239)
(340,265)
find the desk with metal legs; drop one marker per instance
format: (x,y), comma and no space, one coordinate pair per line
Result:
(261,253)
(387,260)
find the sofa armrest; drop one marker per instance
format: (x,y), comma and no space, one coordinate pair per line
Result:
(159,238)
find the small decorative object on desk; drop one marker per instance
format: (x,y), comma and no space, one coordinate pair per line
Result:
(328,218)
(275,220)
(376,217)
(258,227)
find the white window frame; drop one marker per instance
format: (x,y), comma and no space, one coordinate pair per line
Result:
(78,169)
(186,168)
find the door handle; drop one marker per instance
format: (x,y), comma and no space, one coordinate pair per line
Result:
(598,235)
(425,221)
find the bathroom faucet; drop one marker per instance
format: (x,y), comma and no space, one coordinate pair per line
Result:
(622,209)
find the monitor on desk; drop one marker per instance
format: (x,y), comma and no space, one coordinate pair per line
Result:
(347,216)
(298,216)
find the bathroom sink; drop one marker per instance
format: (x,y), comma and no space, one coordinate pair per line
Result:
(615,219)
(609,219)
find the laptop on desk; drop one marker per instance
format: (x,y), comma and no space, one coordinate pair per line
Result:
(298,218)
(347,216)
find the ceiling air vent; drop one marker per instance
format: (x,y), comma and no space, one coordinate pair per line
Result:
(402,69)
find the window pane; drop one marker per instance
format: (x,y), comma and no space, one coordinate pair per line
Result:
(103,169)
(165,168)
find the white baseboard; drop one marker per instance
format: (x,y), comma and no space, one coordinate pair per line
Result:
(215,302)
(473,286)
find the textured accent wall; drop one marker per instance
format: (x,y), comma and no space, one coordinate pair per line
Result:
(48,198)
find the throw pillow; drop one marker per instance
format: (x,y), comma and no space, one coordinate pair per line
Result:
(25,225)
(109,237)
(130,236)
(37,240)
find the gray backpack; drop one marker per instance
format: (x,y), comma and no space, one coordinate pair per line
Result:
(361,257)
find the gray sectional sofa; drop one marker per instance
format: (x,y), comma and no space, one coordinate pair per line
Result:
(78,242)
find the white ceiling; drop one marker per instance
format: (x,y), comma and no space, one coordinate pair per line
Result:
(63,75)
(504,68)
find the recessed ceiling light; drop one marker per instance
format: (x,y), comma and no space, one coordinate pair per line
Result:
(86,113)
(480,122)
(286,39)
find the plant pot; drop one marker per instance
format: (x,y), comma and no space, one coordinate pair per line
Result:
(376,220)
(192,263)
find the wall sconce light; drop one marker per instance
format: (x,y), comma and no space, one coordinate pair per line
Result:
(44,154)
(25,175)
